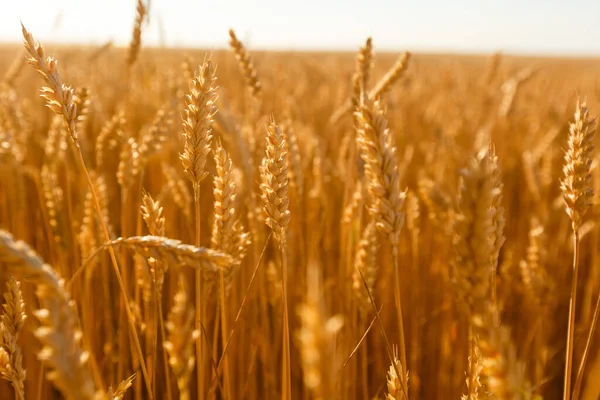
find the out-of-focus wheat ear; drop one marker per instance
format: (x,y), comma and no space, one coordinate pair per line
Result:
(362,73)
(136,38)
(129,164)
(478,235)
(576,183)
(181,336)
(492,68)
(100,50)
(152,212)
(246,65)
(52,194)
(497,210)
(354,204)
(11,323)
(296,169)
(110,136)
(177,189)
(474,372)
(274,183)
(121,390)
(535,278)
(14,70)
(510,89)
(365,261)
(82,105)
(186,67)
(391,76)
(200,108)
(395,381)
(153,138)
(364,63)
(472,229)
(316,338)
(380,88)
(59,330)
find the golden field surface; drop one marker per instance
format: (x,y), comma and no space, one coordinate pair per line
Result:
(261,225)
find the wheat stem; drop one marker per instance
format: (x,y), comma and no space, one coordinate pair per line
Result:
(199,297)
(586,352)
(571,327)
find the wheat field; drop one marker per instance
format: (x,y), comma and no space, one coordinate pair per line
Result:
(236,224)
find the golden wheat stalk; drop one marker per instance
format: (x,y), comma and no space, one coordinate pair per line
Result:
(577,193)
(59,98)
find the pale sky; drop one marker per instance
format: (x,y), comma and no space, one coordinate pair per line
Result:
(570,27)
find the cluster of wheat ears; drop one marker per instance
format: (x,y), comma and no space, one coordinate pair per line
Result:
(296,226)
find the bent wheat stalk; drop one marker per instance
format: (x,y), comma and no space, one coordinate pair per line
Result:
(59,98)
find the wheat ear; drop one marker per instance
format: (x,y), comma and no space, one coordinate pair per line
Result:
(136,38)
(11,323)
(478,236)
(380,88)
(246,64)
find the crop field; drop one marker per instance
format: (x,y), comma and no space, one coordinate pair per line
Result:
(239,224)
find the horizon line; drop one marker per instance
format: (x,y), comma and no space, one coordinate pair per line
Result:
(344,49)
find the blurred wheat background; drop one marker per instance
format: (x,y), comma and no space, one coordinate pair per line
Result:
(238,224)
